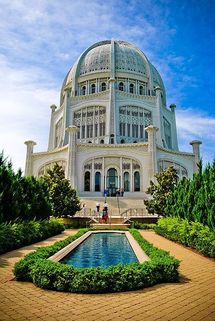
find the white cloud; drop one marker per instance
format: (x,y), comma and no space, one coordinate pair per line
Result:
(25,98)
(192,125)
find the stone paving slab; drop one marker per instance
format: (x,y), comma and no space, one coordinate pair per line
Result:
(193,298)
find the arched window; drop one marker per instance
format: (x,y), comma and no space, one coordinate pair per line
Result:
(102,141)
(97,182)
(93,89)
(83,90)
(112,181)
(136,181)
(104,86)
(87,182)
(122,141)
(131,88)
(126,182)
(141,90)
(121,86)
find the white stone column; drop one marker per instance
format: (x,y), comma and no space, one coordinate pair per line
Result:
(195,144)
(121,182)
(158,117)
(28,163)
(93,176)
(51,130)
(131,177)
(151,130)
(72,149)
(103,183)
(173,128)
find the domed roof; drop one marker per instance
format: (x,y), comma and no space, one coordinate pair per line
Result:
(98,58)
(116,55)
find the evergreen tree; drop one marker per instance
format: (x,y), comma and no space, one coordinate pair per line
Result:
(195,199)
(63,198)
(21,198)
(166,181)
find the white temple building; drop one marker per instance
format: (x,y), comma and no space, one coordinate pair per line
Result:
(112,128)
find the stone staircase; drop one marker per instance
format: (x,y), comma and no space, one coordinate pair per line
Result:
(120,210)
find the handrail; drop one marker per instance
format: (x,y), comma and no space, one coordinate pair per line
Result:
(135,212)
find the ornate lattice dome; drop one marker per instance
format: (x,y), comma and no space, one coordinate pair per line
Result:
(114,57)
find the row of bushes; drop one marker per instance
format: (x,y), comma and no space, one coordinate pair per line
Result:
(58,276)
(13,236)
(194,199)
(192,234)
(143,226)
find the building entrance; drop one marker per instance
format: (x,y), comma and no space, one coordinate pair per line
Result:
(112,182)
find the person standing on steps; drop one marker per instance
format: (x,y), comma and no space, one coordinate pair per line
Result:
(97,207)
(106,206)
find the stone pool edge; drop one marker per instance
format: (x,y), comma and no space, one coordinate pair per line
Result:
(140,254)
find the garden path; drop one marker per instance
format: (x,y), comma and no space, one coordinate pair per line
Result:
(192,299)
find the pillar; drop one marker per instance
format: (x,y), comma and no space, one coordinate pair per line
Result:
(72,149)
(173,128)
(195,144)
(28,163)
(151,130)
(158,117)
(51,130)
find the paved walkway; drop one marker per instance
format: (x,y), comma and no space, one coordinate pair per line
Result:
(192,299)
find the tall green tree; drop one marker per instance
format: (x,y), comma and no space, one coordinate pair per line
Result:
(166,181)
(63,198)
(194,199)
(21,198)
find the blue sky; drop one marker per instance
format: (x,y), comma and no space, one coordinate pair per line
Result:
(40,41)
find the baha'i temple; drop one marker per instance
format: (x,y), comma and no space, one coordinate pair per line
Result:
(112,128)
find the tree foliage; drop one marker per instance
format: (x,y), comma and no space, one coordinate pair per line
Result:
(62,197)
(160,191)
(21,198)
(194,199)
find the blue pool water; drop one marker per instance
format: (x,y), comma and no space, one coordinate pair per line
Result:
(102,249)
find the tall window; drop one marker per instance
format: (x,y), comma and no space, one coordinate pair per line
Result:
(122,129)
(101,129)
(126,182)
(97,182)
(83,90)
(136,181)
(121,86)
(87,182)
(141,90)
(93,89)
(103,86)
(131,88)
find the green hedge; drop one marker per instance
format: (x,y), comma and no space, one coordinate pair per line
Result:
(192,234)
(58,276)
(143,226)
(13,236)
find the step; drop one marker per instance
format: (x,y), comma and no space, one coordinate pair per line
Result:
(108,226)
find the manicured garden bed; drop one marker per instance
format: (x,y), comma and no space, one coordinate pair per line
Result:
(13,236)
(191,234)
(44,273)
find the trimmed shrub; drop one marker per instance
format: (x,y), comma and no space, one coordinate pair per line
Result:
(13,236)
(22,269)
(51,275)
(143,226)
(192,234)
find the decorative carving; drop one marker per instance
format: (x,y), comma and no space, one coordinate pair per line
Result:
(88,166)
(126,166)
(98,166)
